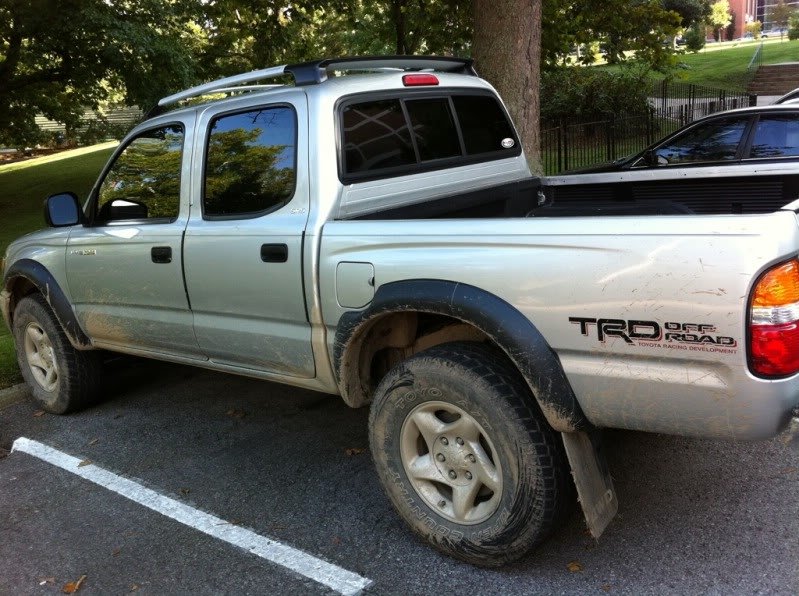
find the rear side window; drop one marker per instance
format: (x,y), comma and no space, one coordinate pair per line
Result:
(776,136)
(392,137)
(250,163)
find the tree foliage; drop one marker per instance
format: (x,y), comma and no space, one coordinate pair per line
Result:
(58,57)
(690,11)
(780,14)
(720,16)
(624,29)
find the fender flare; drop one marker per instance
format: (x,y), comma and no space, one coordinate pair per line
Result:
(514,333)
(40,276)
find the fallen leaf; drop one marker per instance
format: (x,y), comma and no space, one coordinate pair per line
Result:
(39,413)
(93,441)
(115,552)
(134,587)
(606,587)
(355,450)
(85,462)
(575,566)
(73,587)
(185,491)
(336,540)
(236,413)
(790,470)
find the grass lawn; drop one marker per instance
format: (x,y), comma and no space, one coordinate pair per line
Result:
(723,65)
(23,188)
(727,67)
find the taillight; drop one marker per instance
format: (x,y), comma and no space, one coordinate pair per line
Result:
(419,80)
(774,322)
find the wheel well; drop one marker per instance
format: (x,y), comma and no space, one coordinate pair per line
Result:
(18,287)
(390,338)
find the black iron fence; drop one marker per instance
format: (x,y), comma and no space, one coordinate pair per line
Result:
(671,105)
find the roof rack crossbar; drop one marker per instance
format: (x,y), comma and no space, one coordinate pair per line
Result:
(224,84)
(316,72)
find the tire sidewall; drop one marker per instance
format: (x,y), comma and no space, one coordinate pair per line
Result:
(30,310)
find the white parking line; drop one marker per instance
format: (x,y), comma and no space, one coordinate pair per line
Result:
(336,578)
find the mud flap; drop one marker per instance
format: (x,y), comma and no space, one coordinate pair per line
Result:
(592,478)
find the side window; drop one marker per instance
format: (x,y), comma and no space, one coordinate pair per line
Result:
(396,136)
(250,163)
(776,136)
(712,141)
(484,125)
(144,180)
(376,136)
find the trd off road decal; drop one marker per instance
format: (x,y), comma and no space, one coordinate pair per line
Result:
(670,335)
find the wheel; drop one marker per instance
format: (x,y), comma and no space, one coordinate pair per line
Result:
(465,455)
(62,379)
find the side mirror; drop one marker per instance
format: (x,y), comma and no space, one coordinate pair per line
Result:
(62,210)
(650,158)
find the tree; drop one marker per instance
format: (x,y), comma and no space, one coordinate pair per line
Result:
(507,51)
(60,70)
(755,28)
(720,16)
(690,11)
(625,29)
(780,14)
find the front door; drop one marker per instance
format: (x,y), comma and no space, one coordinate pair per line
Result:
(124,269)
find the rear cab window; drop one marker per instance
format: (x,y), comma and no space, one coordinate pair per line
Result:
(382,136)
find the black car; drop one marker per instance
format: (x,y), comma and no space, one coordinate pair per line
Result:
(748,156)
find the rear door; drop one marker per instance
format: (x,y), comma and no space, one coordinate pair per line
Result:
(244,242)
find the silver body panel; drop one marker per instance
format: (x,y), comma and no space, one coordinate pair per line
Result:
(278,320)
(695,270)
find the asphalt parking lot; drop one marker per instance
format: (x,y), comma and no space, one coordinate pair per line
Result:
(278,468)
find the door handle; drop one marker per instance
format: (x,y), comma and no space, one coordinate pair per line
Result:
(161,254)
(274,253)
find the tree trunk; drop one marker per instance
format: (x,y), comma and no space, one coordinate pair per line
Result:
(507,52)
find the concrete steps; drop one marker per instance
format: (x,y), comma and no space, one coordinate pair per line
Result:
(775,79)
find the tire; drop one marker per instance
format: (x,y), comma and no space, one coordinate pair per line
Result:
(487,497)
(61,378)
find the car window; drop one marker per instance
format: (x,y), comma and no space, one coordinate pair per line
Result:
(717,140)
(376,136)
(143,183)
(395,136)
(250,162)
(433,128)
(484,125)
(776,136)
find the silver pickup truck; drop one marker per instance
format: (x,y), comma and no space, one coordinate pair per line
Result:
(374,231)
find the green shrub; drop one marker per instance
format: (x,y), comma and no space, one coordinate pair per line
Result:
(695,37)
(793,28)
(586,94)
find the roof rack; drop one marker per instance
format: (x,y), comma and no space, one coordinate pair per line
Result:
(316,72)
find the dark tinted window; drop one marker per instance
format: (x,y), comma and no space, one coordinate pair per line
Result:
(144,180)
(717,140)
(776,136)
(251,161)
(483,123)
(433,128)
(376,136)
